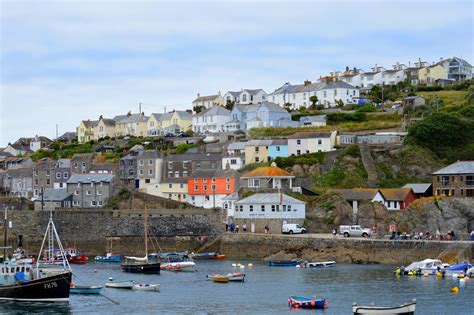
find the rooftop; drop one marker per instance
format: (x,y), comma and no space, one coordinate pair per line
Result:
(418,188)
(310,135)
(267,171)
(397,194)
(88,178)
(270,198)
(460,167)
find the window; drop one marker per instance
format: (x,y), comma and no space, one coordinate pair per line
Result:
(181,185)
(101,203)
(150,172)
(36,181)
(99,192)
(278,148)
(284,208)
(262,207)
(140,172)
(227,179)
(185,173)
(289,208)
(147,180)
(213,180)
(130,162)
(48,181)
(196,180)
(207,198)
(251,208)
(185,164)
(196,188)
(298,142)
(257,149)
(254,182)
(244,97)
(93,203)
(75,203)
(88,192)
(298,152)
(83,164)
(227,187)
(273,208)
(141,162)
(176,174)
(205,188)
(65,175)
(58,175)
(257,159)
(241,208)
(47,173)
(204,180)
(170,185)
(320,141)
(150,162)
(170,174)
(170,196)
(170,165)
(36,173)
(213,187)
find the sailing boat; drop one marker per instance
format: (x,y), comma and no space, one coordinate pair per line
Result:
(20,281)
(141,264)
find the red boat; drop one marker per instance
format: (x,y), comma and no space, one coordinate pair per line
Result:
(74,256)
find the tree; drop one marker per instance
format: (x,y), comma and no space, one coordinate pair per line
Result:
(313,99)
(340,103)
(470,94)
(198,109)
(229,104)
(288,106)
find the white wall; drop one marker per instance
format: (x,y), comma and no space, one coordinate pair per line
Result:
(239,162)
(312,145)
(209,123)
(298,211)
(208,203)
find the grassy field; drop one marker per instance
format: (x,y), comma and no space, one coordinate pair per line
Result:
(450,98)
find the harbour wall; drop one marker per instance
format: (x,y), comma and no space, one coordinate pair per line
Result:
(93,230)
(341,250)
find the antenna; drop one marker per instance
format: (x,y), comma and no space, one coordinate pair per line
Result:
(140,107)
(57,133)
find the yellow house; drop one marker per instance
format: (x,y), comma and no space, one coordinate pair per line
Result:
(105,128)
(85,131)
(131,125)
(173,190)
(257,151)
(429,75)
(172,122)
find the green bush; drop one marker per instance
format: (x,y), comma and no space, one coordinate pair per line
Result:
(335,118)
(184,147)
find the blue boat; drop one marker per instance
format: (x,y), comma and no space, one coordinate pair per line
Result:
(457,269)
(109,258)
(285,263)
(85,290)
(307,303)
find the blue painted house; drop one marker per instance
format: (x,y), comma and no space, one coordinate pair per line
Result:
(266,114)
(278,148)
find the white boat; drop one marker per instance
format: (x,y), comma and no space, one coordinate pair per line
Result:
(232,277)
(146,287)
(179,266)
(128,284)
(430,266)
(405,309)
(319,264)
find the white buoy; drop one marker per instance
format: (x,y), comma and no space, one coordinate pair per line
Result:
(242,266)
(455,276)
(250,265)
(234,265)
(298,266)
(462,280)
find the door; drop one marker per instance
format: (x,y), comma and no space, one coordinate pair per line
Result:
(137,183)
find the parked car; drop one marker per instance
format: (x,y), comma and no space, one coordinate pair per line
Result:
(291,228)
(169,135)
(354,230)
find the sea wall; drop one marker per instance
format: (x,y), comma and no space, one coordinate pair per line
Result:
(342,250)
(175,229)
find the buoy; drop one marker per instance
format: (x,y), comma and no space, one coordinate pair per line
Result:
(454,289)
(398,271)
(250,265)
(462,280)
(242,266)
(461,275)
(410,273)
(234,265)
(298,266)
(454,275)
(438,274)
(72,284)
(426,274)
(95,270)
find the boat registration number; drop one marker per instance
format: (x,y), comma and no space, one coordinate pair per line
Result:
(50,285)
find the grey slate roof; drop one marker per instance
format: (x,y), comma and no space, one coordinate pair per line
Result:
(215,110)
(270,198)
(55,195)
(88,178)
(309,135)
(195,157)
(217,173)
(461,167)
(258,142)
(253,92)
(236,145)
(125,119)
(318,118)
(63,163)
(418,188)
(279,141)
(317,86)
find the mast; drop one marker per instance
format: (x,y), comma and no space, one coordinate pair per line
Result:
(146,235)
(5,237)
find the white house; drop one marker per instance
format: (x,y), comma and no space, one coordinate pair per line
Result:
(246,96)
(208,101)
(211,120)
(374,77)
(319,120)
(310,142)
(328,93)
(269,206)
(397,74)
(39,142)
(234,156)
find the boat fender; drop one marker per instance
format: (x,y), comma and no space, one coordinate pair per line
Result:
(461,275)
(95,270)
(20,277)
(72,284)
(438,274)
(426,274)
(455,276)
(462,280)
(250,265)
(455,289)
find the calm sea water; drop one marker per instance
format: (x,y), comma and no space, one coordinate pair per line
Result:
(265,292)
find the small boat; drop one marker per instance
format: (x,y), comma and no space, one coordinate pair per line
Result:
(322,264)
(208,256)
(307,303)
(285,263)
(171,257)
(233,277)
(74,256)
(457,269)
(95,289)
(109,257)
(430,266)
(128,284)
(220,279)
(179,266)
(146,287)
(404,309)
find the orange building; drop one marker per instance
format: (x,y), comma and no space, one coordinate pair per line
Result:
(206,188)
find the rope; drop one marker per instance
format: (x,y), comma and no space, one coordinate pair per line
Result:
(101,294)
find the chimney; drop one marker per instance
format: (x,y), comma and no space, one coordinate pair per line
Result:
(347,68)
(129,114)
(199,95)
(219,93)
(227,166)
(307,82)
(100,117)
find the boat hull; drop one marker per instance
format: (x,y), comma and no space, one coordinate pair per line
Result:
(79,259)
(49,289)
(324,264)
(147,287)
(141,267)
(113,259)
(86,290)
(307,303)
(288,263)
(405,309)
(179,266)
(120,285)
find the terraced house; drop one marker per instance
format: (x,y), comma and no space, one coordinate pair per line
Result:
(172,122)
(456,180)
(90,190)
(43,176)
(85,131)
(208,101)
(207,188)
(105,128)
(131,125)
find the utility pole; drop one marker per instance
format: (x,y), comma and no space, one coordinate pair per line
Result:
(5,236)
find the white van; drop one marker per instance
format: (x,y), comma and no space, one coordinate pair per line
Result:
(291,228)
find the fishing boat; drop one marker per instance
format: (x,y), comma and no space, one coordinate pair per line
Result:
(25,282)
(142,264)
(208,256)
(109,256)
(307,303)
(285,263)
(95,289)
(233,277)
(321,264)
(146,287)
(404,309)
(179,266)
(75,256)
(127,284)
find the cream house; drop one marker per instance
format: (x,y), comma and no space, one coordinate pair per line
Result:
(105,128)
(85,131)
(256,151)
(208,101)
(131,125)
(172,122)
(429,75)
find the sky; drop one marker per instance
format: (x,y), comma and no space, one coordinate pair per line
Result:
(66,61)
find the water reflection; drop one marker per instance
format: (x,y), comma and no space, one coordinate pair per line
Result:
(9,307)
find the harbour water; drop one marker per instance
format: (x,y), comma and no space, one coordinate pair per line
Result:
(266,291)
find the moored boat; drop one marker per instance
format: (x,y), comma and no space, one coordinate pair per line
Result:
(109,257)
(232,277)
(457,269)
(307,303)
(208,256)
(127,284)
(430,266)
(284,263)
(321,264)
(404,309)
(74,256)
(77,289)
(146,287)
(179,266)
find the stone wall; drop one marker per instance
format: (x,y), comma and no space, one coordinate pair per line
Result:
(252,246)
(89,230)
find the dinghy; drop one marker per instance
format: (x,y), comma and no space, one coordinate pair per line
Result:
(128,284)
(95,289)
(284,263)
(307,303)
(405,309)
(146,287)
(321,264)
(233,277)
